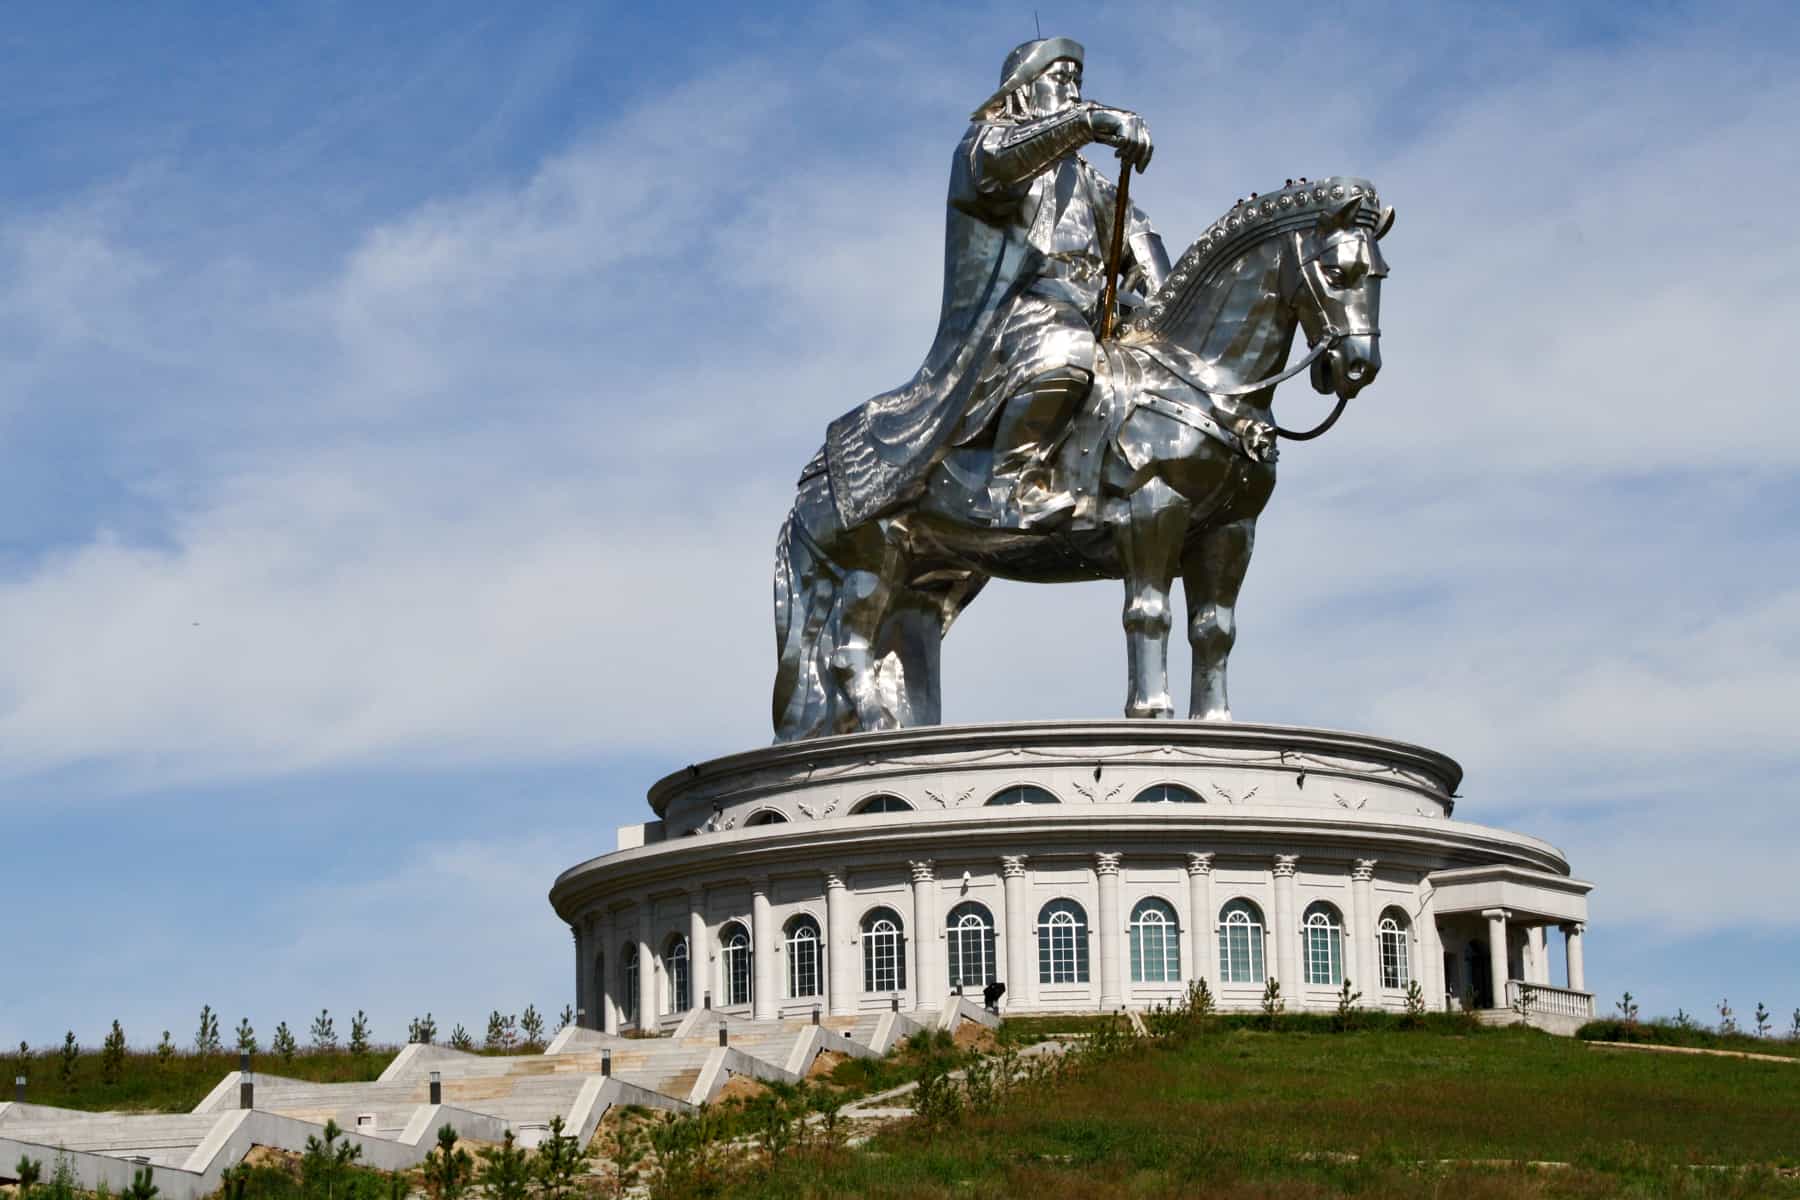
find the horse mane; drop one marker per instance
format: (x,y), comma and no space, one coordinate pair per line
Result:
(1251,221)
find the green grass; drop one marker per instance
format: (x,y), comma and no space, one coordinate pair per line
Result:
(1241,1112)
(147,1085)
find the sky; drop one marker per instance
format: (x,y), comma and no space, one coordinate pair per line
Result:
(398,405)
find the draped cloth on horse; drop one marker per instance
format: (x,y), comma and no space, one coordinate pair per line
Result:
(880,453)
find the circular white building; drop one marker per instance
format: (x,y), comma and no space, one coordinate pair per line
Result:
(1085,864)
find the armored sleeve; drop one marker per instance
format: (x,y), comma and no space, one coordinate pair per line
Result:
(1007,155)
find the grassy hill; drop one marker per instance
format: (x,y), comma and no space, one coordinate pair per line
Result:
(1233,1111)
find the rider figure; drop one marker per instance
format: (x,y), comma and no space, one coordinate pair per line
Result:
(1027,178)
(1025,239)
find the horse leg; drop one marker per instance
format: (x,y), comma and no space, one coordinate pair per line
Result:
(1149,545)
(1212,572)
(865,598)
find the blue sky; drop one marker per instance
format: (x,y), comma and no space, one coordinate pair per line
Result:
(398,405)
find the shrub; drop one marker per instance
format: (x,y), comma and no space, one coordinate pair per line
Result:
(206,1038)
(141,1186)
(566,1019)
(1761,1017)
(936,1101)
(324,1033)
(359,1033)
(1272,1003)
(284,1044)
(165,1050)
(1794,1029)
(246,1037)
(62,1179)
(558,1162)
(112,1055)
(1345,1017)
(460,1039)
(422,1030)
(1727,1019)
(1415,1005)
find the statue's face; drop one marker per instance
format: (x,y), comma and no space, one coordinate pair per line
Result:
(1058,88)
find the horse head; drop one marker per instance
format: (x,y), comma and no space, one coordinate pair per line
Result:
(1335,286)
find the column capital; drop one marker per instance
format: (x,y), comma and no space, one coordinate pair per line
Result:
(759,884)
(1363,869)
(923,869)
(1012,866)
(1574,928)
(1200,864)
(1496,914)
(1285,865)
(1107,862)
(834,880)
(575,931)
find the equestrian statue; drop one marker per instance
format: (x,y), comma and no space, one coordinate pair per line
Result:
(1044,438)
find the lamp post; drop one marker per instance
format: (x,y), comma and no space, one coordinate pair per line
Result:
(437,1087)
(246,1084)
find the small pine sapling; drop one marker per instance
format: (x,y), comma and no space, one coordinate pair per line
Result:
(142,1187)
(324,1033)
(27,1173)
(62,1179)
(460,1039)
(112,1055)
(1728,1025)
(246,1037)
(1346,1006)
(71,1057)
(1272,1003)
(422,1030)
(566,1019)
(24,1058)
(165,1051)
(359,1033)
(502,1031)
(506,1172)
(1415,1003)
(531,1026)
(1628,1009)
(206,1038)
(1683,1019)
(1527,997)
(1794,1029)
(283,1043)
(325,1167)
(447,1168)
(1761,1017)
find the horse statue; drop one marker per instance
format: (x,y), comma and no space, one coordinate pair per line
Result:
(1179,417)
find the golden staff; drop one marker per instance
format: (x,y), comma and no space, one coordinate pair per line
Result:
(1109,301)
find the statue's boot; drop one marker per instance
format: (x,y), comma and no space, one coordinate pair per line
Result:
(1024,486)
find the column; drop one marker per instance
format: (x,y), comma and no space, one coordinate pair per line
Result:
(840,958)
(1496,919)
(608,927)
(1203,920)
(1361,929)
(700,984)
(928,986)
(1429,944)
(582,972)
(1019,975)
(762,952)
(1572,946)
(1540,955)
(1287,928)
(1106,866)
(646,970)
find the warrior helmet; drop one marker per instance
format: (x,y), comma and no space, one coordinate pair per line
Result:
(1027,61)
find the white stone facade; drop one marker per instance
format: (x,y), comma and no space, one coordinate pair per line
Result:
(1087,865)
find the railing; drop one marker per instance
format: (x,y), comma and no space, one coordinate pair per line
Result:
(1555,1001)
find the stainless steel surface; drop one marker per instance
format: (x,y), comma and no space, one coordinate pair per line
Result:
(1024,448)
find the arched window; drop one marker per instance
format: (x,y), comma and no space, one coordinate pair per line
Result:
(1023,793)
(680,989)
(881,804)
(1167,793)
(1062,943)
(767,816)
(734,949)
(1323,945)
(1396,950)
(884,951)
(969,930)
(1240,943)
(802,957)
(1155,943)
(628,981)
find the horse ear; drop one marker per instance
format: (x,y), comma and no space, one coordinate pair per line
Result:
(1341,216)
(1384,222)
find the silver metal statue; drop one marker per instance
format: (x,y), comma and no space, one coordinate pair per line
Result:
(1026,447)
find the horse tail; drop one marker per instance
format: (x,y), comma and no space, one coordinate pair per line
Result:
(806,592)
